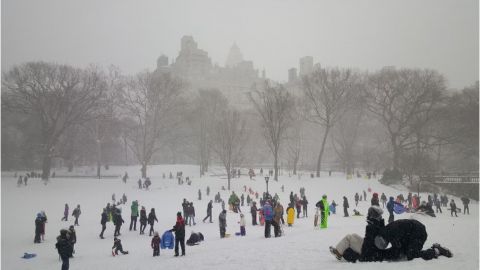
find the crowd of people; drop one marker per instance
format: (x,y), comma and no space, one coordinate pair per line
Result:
(270,213)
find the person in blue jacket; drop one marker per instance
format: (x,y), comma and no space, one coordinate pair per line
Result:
(268,214)
(390,206)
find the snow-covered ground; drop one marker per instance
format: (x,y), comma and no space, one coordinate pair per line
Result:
(302,246)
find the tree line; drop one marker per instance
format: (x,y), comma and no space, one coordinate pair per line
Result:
(406,120)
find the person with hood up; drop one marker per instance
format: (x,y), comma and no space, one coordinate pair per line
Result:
(390,206)
(155,244)
(38,228)
(324,211)
(65,213)
(290,215)
(117,221)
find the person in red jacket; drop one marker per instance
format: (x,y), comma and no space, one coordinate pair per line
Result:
(156,244)
(179,230)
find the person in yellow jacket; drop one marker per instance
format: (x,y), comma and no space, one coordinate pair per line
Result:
(324,211)
(290,215)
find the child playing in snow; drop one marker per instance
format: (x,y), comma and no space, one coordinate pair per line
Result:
(156,244)
(117,246)
(242,225)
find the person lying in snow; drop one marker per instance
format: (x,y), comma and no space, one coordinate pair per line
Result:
(406,237)
(195,239)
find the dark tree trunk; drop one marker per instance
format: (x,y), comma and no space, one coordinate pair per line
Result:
(144,170)
(46,165)
(322,149)
(275,165)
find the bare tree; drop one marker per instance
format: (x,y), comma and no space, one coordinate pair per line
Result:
(150,99)
(274,105)
(208,106)
(229,140)
(59,95)
(326,93)
(402,100)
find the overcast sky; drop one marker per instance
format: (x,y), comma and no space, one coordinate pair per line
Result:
(438,34)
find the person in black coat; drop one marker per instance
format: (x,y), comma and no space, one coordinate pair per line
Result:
(103,221)
(253,211)
(117,221)
(390,206)
(466,202)
(72,236)
(345,206)
(143,220)
(179,230)
(195,239)
(407,237)
(38,228)
(209,212)
(64,248)
(375,223)
(151,220)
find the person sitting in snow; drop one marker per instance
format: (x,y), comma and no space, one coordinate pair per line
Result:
(117,246)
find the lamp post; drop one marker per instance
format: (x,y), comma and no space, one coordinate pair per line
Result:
(266,181)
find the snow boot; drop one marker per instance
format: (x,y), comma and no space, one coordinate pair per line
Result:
(442,250)
(335,252)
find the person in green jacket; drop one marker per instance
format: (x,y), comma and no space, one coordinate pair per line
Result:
(134,216)
(324,211)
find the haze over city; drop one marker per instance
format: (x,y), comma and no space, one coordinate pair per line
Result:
(366,35)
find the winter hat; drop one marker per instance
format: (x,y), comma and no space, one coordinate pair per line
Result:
(324,196)
(71,227)
(63,232)
(39,215)
(375,212)
(155,234)
(380,242)
(241,215)
(179,214)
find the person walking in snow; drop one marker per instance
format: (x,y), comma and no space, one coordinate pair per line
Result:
(155,244)
(65,213)
(125,178)
(76,213)
(139,182)
(103,221)
(134,215)
(151,220)
(64,248)
(143,220)
(356,199)
(290,215)
(242,199)
(345,206)
(453,208)
(199,195)
(209,212)
(208,191)
(191,214)
(113,198)
(179,230)
(437,205)
(117,221)
(124,198)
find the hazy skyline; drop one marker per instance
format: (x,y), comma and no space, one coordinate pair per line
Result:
(366,35)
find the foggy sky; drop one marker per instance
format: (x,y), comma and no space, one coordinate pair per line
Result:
(438,34)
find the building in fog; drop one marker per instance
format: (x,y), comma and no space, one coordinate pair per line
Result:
(292,75)
(306,65)
(195,67)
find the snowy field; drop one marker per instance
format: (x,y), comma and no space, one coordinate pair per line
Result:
(302,246)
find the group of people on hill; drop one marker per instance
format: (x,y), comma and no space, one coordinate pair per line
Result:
(188,212)
(406,238)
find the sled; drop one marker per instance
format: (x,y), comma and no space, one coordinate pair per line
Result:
(28,255)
